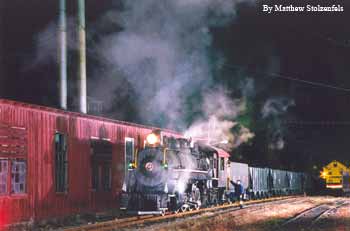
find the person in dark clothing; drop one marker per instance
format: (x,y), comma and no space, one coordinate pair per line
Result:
(239,191)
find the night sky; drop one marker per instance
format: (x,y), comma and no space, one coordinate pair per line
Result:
(271,49)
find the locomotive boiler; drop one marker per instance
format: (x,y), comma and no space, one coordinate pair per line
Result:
(170,174)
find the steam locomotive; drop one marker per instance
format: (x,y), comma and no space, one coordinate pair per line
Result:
(178,174)
(171,174)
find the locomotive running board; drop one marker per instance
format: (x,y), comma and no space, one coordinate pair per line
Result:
(145,212)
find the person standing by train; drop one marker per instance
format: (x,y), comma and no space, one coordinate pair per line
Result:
(239,191)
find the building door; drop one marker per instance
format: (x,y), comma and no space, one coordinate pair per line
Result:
(101,172)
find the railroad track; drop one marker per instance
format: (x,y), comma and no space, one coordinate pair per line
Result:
(150,219)
(330,211)
(311,216)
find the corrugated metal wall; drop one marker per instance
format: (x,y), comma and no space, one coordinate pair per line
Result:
(41,200)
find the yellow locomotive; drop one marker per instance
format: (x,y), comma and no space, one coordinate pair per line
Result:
(334,174)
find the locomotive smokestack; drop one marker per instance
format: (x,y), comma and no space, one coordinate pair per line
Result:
(62,54)
(82,57)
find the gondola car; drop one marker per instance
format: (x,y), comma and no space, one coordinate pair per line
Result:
(280,182)
(238,171)
(260,182)
(297,180)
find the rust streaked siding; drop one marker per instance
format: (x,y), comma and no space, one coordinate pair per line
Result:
(40,200)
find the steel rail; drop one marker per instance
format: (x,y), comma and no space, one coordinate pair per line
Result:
(338,205)
(312,215)
(140,220)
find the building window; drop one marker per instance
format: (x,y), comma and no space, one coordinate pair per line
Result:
(215,163)
(18,178)
(222,163)
(61,162)
(13,165)
(129,152)
(3,176)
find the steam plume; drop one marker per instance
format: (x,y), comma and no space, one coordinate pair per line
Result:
(273,110)
(219,113)
(162,51)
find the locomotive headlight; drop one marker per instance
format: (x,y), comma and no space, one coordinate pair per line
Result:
(324,174)
(152,139)
(149,166)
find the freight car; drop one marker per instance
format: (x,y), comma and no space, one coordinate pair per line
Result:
(266,182)
(238,172)
(296,182)
(280,182)
(259,182)
(55,163)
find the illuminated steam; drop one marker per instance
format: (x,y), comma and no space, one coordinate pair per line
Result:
(216,126)
(273,111)
(276,106)
(46,42)
(162,53)
(154,60)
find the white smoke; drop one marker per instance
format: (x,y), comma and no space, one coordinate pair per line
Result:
(276,106)
(162,51)
(46,42)
(216,127)
(247,87)
(274,109)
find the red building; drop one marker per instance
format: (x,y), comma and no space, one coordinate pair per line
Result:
(55,163)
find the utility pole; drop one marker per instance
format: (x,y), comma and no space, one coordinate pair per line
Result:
(82,57)
(62,54)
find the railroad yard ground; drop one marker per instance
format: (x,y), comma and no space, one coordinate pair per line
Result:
(317,213)
(303,213)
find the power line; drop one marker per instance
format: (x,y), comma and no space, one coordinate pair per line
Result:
(276,75)
(334,41)
(325,38)
(324,123)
